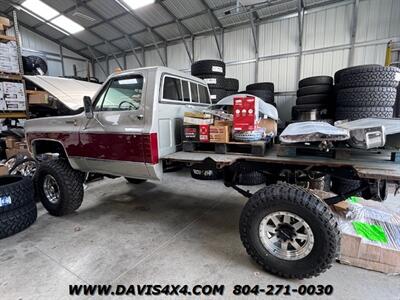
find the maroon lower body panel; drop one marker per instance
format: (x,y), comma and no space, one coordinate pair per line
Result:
(107,146)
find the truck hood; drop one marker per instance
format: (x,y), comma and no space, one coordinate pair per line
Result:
(68,91)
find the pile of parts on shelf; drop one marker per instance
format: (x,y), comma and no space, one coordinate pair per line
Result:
(213,73)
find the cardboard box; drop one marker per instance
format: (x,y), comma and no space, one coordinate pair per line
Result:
(223,123)
(196,121)
(191,132)
(3,170)
(38,97)
(197,115)
(5,22)
(10,142)
(269,125)
(219,134)
(368,256)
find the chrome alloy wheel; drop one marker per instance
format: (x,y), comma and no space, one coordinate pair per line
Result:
(51,189)
(26,168)
(286,235)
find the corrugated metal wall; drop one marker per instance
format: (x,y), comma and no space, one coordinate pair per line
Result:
(34,44)
(326,46)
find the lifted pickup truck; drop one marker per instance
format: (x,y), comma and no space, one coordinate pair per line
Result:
(132,128)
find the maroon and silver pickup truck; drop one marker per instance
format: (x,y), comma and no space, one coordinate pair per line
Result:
(132,128)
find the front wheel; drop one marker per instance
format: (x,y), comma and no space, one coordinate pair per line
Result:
(59,187)
(289,231)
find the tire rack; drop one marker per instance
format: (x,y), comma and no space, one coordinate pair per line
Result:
(15,77)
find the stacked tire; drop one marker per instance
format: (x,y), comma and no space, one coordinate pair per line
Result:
(263,90)
(17,206)
(213,73)
(366,91)
(315,99)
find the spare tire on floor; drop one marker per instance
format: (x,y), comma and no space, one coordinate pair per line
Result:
(377,76)
(17,205)
(15,191)
(355,113)
(261,86)
(315,80)
(366,96)
(209,66)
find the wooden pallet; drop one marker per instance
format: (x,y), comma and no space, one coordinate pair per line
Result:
(293,150)
(253,148)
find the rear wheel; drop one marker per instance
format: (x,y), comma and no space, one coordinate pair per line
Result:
(59,187)
(289,231)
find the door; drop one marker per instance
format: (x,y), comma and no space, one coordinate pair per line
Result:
(113,141)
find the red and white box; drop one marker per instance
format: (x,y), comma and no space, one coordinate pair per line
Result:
(245,113)
(204,133)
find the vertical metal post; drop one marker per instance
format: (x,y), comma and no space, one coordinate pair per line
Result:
(143,57)
(19,42)
(178,24)
(133,50)
(98,62)
(215,34)
(300,17)
(125,63)
(193,50)
(255,34)
(156,45)
(62,61)
(108,65)
(166,53)
(353,32)
(222,43)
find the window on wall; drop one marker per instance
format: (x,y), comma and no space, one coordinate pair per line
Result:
(172,89)
(194,92)
(185,88)
(203,94)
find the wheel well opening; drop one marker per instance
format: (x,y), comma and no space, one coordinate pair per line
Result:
(45,147)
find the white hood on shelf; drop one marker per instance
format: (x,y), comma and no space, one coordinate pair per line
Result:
(69,91)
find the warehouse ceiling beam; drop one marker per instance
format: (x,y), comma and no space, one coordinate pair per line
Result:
(58,41)
(174,17)
(130,43)
(300,20)
(243,25)
(184,41)
(97,60)
(113,55)
(156,45)
(214,17)
(215,35)
(140,20)
(353,33)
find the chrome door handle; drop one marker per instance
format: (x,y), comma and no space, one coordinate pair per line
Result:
(140,117)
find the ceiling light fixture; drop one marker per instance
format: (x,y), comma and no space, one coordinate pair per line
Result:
(67,24)
(135,4)
(41,9)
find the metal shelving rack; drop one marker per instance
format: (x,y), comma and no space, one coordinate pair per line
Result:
(15,77)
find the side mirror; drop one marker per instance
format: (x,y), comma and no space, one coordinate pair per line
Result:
(87,104)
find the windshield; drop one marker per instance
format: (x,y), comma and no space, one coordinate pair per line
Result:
(124,93)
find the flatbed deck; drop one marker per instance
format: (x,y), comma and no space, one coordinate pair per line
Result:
(366,166)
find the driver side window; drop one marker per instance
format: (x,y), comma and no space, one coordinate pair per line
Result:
(123,93)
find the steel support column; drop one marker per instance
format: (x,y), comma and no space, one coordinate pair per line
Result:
(215,34)
(155,45)
(255,34)
(353,32)
(184,41)
(62,60)
(133,50)
(300,18)
(98,62)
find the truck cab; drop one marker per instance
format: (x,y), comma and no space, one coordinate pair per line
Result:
(133,121)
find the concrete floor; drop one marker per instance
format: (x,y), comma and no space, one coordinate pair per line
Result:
(179,232)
